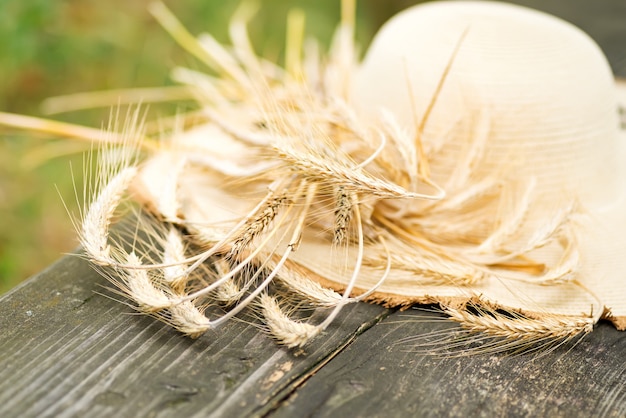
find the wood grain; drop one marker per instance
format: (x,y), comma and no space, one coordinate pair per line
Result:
(378,375)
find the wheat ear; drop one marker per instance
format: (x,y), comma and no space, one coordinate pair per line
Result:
(229,292)
(316,166)
(185,316)
(257,225)
(297,281)
(285,330)
(433,269)
(343,212)
(518,327)
(511,332)
(175,275)
(345,298)
(94,231)
(142,289)
(188,319)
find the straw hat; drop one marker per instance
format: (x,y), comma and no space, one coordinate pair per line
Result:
(533,99)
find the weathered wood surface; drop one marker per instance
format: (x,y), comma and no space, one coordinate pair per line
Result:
(377,376)
(67,350)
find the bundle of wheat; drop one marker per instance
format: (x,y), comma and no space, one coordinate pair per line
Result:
(471,160)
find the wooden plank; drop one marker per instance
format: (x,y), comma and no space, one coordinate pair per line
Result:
(67,350)
(378,376)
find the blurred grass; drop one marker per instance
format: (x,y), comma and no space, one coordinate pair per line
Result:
(59,47)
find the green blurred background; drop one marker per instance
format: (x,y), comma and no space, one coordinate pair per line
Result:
(57,47)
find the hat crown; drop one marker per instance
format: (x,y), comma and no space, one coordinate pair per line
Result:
(539,89)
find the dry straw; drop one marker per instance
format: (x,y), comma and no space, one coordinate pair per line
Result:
(288,190)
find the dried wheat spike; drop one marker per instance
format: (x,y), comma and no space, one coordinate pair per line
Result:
(432,268)
(175,275)
(188,319)
(514,332)
(229,292)
(284,329)
(313,162)
(185,316)
(142,289)
(94,233)
(343,213)
(257,225)
(296,281)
